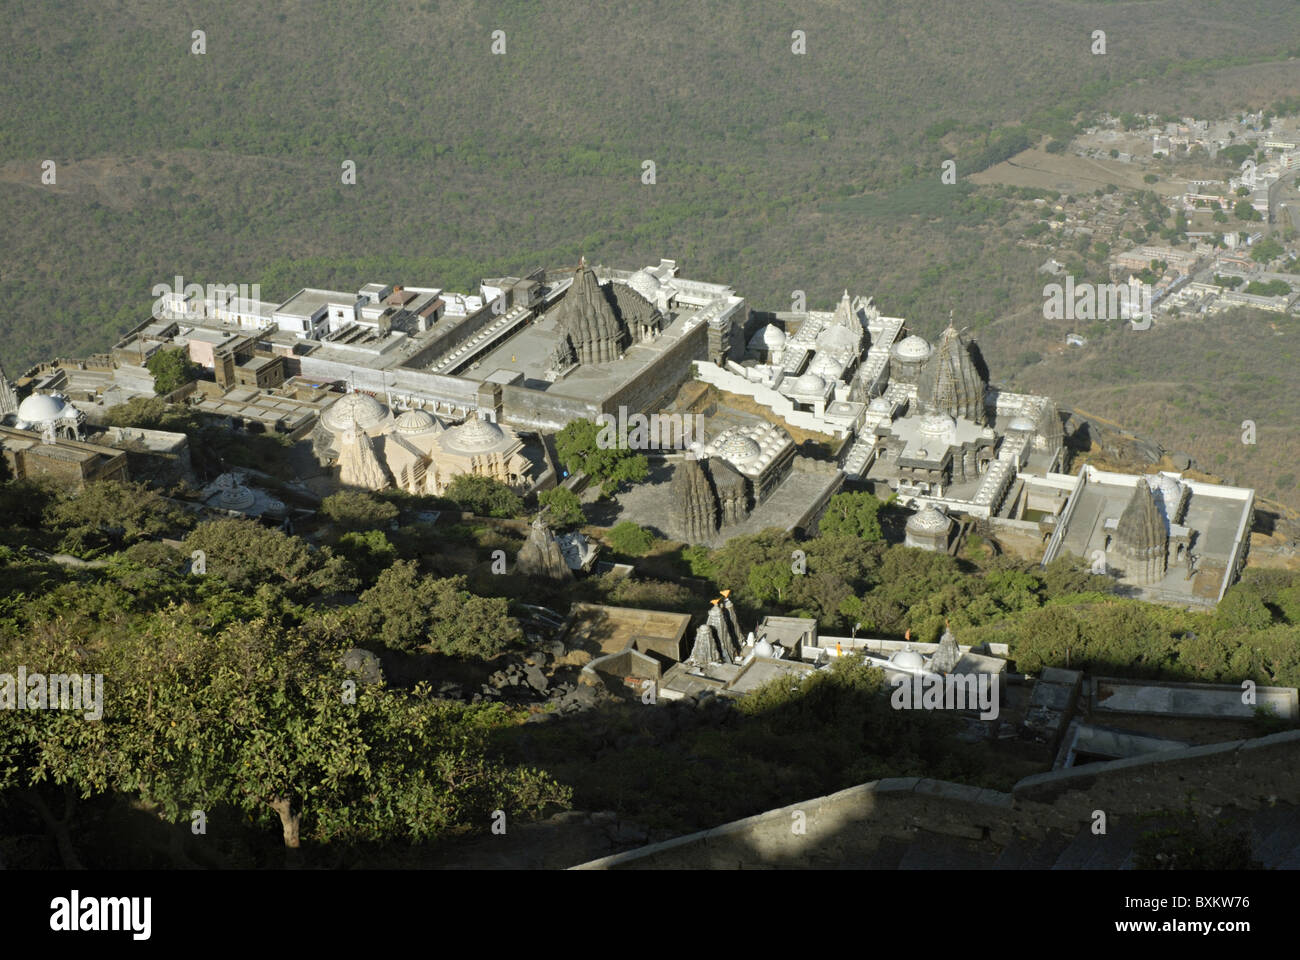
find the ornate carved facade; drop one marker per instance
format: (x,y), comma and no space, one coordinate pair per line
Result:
(950,381)
(1142,538)
(599,321)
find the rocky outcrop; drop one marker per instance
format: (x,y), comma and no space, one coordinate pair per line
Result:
(541,556)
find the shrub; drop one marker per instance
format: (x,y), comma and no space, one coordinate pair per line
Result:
(626,537)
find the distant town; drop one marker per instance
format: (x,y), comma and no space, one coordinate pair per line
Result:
(1218,227)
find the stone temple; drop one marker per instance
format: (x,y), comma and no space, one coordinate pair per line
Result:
(718,484)
(414,451)
(1169,538)
(1141,538)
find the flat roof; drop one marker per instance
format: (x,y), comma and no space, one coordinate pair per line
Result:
(1113,695)
(307,301)
(613,628)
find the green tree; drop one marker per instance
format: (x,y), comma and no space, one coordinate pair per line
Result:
(611,466)
(270,723)
(358,510)
(171,369)
(564,508)
(484,496)
(112,513)
(247,556)
(420,614)
(852,515)
(628,538)
(370,550)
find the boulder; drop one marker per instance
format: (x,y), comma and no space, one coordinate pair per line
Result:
(364,664)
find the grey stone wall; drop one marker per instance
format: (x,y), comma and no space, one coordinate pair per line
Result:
(526,409)
(848,827)
(651,389)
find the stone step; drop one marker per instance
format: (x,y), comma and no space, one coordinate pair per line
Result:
(1274,835)
(935,851)
(1027,853)
(1112,850)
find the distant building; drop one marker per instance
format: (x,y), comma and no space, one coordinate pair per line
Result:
(69,463)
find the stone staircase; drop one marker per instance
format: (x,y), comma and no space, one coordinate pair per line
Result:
(1275,842)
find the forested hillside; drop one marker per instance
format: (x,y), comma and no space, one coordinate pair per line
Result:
(774,171)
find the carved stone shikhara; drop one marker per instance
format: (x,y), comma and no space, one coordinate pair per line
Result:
(694,506)
(1142,538)
(950,383)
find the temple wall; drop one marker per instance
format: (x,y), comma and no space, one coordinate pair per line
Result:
(650,390)
(526,409)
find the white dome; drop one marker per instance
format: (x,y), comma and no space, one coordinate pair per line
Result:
(911,348)
(415,421)
(739,448)
(809,383)
(1021,423)
(880,405)
(772,336)
(475,435)
(646,284)
(940,427)
(354,410)
(826,367)
(928,519)
(907,660)
(40,409)
(763,649)
(1167,492)
(838,336)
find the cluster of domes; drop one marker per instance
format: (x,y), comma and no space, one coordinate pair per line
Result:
(748,449)
(415,422)
(738,448)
